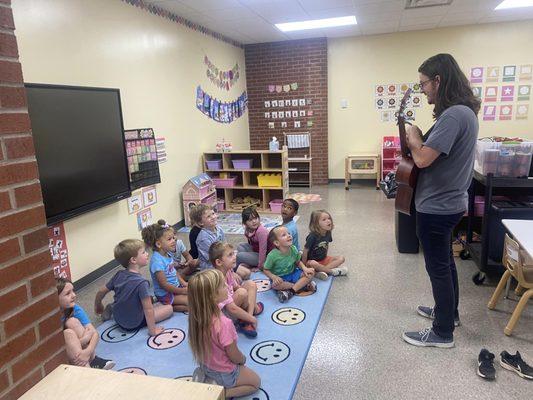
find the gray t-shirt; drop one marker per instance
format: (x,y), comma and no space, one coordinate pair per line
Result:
(442,187)
(130,289)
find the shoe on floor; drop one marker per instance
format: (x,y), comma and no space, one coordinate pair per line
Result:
(485,367)
(311,287)
(427,338)
(108,313)
(339,271)
(247,329)
(322,276)
(101,363)
(516,364)
(260,307)
(284,295)
(429,312)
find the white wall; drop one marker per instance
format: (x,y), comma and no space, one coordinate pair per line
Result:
(157,65)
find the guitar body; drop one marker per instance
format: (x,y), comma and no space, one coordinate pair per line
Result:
(407,172)
(406,176)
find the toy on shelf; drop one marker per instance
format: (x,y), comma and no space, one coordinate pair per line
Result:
(199,189)
(240,203)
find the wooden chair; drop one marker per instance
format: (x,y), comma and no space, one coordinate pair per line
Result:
(519,265)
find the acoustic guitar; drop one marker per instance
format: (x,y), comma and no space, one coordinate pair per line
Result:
(407,172)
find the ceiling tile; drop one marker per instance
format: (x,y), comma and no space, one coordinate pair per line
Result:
(342,31)
(378,7)
(279,11)
(310,5)
(206,5)
(418,27)
(331,12)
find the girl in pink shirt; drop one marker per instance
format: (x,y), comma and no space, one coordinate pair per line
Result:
(253,254)
(213,338)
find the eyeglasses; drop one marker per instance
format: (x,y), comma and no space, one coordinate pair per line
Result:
(424,82)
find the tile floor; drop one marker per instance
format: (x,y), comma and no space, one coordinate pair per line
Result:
(358,352)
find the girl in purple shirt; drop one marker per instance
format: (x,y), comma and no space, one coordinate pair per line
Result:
(253,254)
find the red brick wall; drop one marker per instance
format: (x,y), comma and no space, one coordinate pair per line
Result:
(300,61)
(31,339)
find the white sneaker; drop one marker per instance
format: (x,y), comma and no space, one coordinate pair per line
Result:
(339,271)
(322,276)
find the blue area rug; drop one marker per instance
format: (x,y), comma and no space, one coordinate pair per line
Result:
(277,354)
(231,223)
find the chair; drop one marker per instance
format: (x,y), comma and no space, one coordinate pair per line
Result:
(519,265)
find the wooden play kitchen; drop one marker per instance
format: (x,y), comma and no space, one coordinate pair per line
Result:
(249,178)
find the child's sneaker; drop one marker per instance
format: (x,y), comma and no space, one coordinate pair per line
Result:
(246,329)
(485,367)
(108,313)
(259,307)
(516,364)
(101,363)
(198,375)
(284,295)
(311,287)
(339,271)
(322,276)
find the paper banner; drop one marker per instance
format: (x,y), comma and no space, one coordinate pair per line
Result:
(222,79)
(507,93)
(294,102)
(506,112)
(281,104)
(223,112)
(524,92)
(271,88)
(57,244)
(491,93)
(476,75)
(283,124)
(526,72)
(267,104)
(287,102)
(271,125)
(274,103)
(477,90)
(149,196)
(509,73)
(135,203)
(489,113)
(286,88)
(493,74)
(274,114)
(302,113)
(144,218)
(522,111)
(301,102)
(267,115)
(295,114)
(297,124)
(282,88)
(279,88)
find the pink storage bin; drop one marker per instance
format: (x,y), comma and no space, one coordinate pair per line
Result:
(275,205)
(479,204)
(242,164)
(225,182)
(214,164)
(221,205)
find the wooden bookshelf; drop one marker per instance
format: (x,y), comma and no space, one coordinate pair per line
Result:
(262,162)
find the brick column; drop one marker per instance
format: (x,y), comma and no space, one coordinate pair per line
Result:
(304,62)
(31,338)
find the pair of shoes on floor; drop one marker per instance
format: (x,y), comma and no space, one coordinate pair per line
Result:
(339,271)
(508,361)
(101,363)
(107,314)
(246,329)
(429,312)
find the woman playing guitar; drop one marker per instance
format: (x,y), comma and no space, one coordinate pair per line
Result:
(445,159)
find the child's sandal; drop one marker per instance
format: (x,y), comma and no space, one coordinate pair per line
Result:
(260,308)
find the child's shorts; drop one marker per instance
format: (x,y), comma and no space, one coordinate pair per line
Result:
(293,277)
(226,379)
(325,261)
(168,298)
(140,326)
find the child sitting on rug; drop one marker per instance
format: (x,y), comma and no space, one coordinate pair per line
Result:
(213,338)
(190,265)
(283,266)
(195,215)
(210,234)
(81,337)
(169,286)
(132,307)
(253,253)
(289,209)
(240,303)
(315,254)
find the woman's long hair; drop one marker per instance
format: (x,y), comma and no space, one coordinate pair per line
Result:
(202,292)
(454,88)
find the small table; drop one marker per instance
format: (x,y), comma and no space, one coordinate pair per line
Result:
(68,382)
(361,164)
(522,231)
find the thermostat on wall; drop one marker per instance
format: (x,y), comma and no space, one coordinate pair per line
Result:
(344,103)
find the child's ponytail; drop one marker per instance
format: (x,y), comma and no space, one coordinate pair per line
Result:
(152,233)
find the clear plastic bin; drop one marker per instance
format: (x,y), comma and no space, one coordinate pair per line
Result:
(504,159)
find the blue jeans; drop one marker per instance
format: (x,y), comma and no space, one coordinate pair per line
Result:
(435,234)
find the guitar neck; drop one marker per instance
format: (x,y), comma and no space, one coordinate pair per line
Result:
(403,137)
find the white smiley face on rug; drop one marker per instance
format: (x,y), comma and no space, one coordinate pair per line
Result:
(270,352)
(133,370)
(288,316)
(115,334)
(262,284)
(187,378)
(170,337)
(259,395)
